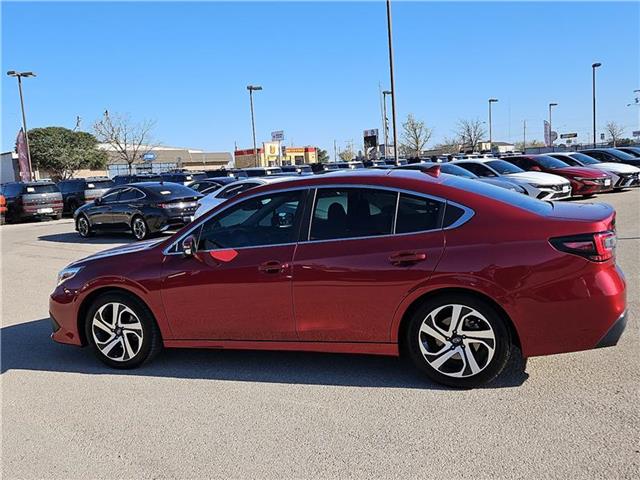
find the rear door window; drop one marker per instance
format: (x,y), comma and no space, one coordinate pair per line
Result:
(352,212)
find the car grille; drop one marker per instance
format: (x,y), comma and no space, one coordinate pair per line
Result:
(628,179)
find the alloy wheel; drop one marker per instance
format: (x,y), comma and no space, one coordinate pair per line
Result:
(117,331)
(457,340)
(139,228)
(83,226)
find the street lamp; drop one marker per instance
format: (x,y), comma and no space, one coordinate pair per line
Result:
(636,103)
(19,76)
(393,85)
(593,71)
(491,100)
(386,120)
(253,88)
(550,129)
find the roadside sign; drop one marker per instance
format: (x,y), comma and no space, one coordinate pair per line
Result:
(370,138)
(554,136)
(602,136)
(569,135)
(636,133)
(277,136)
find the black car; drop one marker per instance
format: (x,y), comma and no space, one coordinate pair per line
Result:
(633,151)
(184,178)
(225,172)
(135,178)
(32,200)
(612,155)
(329,167)
(141,208)
(452,169)
(78,191)
(210,185)
(262,171)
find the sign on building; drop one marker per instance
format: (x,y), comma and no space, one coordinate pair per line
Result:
(149,157)
(277,136)
(569,135)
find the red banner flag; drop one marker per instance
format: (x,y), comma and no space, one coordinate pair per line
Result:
(23,158)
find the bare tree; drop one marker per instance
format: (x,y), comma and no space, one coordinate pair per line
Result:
(615,132)
(470,133)
(130,141)
(415,135)
(448,146)
(347,154)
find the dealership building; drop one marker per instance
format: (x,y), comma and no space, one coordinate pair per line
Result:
(272,154)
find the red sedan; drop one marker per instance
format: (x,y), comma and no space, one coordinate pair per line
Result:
(584,181)
(451,271)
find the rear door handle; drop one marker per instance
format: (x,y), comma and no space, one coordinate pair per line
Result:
(272,266)
(407,258)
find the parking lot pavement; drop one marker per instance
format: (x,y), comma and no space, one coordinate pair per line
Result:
(196,414)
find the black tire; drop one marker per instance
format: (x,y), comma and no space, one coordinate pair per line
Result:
(459,345)
(140,228)
(147,349)
(80,227)
(73,206)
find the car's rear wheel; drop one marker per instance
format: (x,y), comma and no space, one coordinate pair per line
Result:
(458,340)
(122,331)
(139,228)
(83,227)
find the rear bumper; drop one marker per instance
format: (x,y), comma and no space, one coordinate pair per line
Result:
(614,333)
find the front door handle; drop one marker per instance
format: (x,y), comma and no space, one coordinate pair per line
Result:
(407,258)
(272,266)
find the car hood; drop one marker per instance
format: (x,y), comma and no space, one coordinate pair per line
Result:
(122,250)
(580,172)
(538,178)
(616,167)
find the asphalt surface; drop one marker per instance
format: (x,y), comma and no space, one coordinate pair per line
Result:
(224,414)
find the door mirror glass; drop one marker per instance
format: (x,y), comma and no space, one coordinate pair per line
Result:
(189,246)
(98,201)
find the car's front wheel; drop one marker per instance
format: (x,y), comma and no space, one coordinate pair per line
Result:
(122,331)
(458,340)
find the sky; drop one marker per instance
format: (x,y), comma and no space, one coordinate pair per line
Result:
(186,67)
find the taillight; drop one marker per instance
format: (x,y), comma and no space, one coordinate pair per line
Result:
(597,247)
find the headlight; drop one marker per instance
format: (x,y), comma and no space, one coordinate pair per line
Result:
(67,273)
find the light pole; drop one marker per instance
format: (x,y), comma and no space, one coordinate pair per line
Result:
(550,129)
(386,120)
(393,85)
(593,71)
(491,100)
(253,88)
(636,102)
(19,76)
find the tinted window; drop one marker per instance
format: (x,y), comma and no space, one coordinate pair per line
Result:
(40,188)
(352,212)
(130,194)
(416,214)
(504,168)
(478,169)
(268,220)
(170,190)
(111,196)
(456,170)
(451,215)
(583,159)
(550,162)
(98,184)
(621,155)
(233,190)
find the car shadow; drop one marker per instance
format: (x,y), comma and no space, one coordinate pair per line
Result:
(27,346)
(102,239)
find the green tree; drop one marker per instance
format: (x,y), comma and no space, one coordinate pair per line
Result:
(323,156)
(62,152)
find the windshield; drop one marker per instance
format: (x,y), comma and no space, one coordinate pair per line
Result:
(621,155)
(584,159)
(550,162)
(504,168)
(457,171)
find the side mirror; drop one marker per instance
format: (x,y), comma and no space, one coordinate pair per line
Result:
(98,201)
(189,246)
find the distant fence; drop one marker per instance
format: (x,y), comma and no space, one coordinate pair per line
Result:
(572,147)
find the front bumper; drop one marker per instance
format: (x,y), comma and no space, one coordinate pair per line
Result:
(614,333)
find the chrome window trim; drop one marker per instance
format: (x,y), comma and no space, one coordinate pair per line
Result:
(466,216)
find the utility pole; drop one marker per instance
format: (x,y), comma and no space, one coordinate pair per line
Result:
(393,85)
(335,151)
(593,88)
(19,76)
(253,88)
(524,136)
